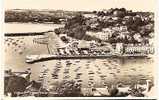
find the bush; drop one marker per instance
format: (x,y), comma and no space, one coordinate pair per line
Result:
(64,39)
(69,88)
(15,84)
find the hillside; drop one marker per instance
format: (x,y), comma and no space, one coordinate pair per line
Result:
(113,25)
(38,16)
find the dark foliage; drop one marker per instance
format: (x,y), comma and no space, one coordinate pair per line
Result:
(69,88)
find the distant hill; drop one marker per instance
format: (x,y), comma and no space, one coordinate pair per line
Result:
(39,16)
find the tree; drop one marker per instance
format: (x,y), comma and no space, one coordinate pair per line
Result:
(69,88)
(57,31)
(119,13)
(78,19)
(15,84)
(64,39)
(94,12)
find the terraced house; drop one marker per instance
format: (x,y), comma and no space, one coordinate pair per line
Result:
(140,49)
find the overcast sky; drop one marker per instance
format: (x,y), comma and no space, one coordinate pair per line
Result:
(137,5)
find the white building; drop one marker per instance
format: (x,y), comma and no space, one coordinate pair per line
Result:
(90,15)
(123,28)
(142,49)
(138,37)
(119,48)
(104,35)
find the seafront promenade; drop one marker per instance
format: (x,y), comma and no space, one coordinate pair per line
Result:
(39,58)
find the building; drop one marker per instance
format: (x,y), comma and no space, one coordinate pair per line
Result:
(138,37)
(69,48)
(119,48)
(84,44)
(104,35)
(139,49)
(90,15)
(116,28)
(123,28)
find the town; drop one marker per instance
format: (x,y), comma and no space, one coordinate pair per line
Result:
(107,33)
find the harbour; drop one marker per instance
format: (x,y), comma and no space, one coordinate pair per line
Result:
(31,48)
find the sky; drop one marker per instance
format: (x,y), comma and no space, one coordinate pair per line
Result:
(135,5)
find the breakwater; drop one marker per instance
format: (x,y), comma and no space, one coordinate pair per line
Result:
(26,33)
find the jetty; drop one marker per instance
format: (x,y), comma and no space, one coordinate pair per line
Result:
(26,33)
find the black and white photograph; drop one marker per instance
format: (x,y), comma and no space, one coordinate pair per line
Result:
(79,48)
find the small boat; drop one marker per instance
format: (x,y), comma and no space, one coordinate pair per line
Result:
(90,72)
(79,73)
(79,80)
(77,61)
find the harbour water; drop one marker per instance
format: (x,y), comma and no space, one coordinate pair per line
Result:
(28,27)
(113,69)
